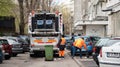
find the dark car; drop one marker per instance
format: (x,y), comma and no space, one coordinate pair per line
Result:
(25,44)
(97,47)
(7,48)
(16,46)
(90,41)
(1,54)
(68,41)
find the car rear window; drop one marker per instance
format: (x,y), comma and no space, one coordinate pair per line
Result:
(111,42)
(101,42)
(2,41)
(11,41)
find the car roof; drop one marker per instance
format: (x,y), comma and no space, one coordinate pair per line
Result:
(102,42)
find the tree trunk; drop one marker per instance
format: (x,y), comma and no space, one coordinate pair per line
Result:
(21,17)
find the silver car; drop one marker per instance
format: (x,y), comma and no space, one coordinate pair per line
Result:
(16,46)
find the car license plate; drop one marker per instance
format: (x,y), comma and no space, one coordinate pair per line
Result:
(113,55)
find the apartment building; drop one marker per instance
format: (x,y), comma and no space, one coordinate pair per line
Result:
(92,19)
(113,11)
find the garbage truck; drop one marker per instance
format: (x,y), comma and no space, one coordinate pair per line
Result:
(44,29)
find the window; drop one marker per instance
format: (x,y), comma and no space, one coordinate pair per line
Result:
(40,24)
(3,42)
(49,24)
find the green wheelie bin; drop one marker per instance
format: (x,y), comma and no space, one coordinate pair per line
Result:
(49,53)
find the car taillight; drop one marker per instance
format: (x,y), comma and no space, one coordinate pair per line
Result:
(32,45)
(100,52)
(94,49)
(11,46)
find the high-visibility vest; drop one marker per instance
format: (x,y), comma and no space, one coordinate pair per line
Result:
(63,41)
(80,43)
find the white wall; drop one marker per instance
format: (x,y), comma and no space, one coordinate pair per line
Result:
(114,25)
(97,30)
(77,10)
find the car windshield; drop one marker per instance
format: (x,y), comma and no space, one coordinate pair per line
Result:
(95,38)
(111,42)
(101,42)
(67,37)
(86,39)
(76,37)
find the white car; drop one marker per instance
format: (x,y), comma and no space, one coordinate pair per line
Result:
(110,54)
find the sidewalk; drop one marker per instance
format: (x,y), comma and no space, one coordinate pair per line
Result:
(85,62)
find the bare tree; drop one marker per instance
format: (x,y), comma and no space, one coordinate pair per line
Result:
(26,6)
(21,16)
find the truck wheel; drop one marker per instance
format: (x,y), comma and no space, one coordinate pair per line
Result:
(32,55)
(14,54)
(7,57)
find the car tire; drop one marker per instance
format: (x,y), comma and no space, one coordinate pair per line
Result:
(32,55)
(14,54)
(1,60)
(7,57)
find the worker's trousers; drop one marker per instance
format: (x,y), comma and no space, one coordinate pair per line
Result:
(61,53)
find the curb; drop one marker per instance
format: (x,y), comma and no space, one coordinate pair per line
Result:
(78,62)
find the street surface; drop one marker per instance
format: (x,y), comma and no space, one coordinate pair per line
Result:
(23,60)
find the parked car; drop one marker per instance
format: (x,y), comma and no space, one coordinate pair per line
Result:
(25,38)
(7,48)
(109,55)
(25,44)
(16,46)
(97,47)
(1,54)
(68,41)
(89,40)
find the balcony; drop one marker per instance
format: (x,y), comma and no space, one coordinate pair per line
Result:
(89,22)
(112,3)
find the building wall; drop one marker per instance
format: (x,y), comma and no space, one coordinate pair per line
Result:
(97,30)
(114,26)
(114,17)
(77,10)
(91,11)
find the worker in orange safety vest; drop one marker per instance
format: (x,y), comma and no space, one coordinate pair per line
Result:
(62,47)
(78,44)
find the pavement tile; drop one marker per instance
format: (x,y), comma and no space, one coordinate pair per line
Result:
(85,62)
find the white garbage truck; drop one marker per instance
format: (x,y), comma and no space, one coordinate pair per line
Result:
(44,29)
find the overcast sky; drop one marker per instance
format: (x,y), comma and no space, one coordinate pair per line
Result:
(58,2)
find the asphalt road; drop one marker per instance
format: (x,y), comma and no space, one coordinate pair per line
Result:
(23,60)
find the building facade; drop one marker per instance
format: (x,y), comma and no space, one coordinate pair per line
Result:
(94,22)
(113,10)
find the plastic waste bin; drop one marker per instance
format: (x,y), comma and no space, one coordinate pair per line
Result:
(49,52)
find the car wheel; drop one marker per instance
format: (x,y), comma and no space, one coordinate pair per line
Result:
(1,60)
(32,55)
(7,57)
(14,54)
